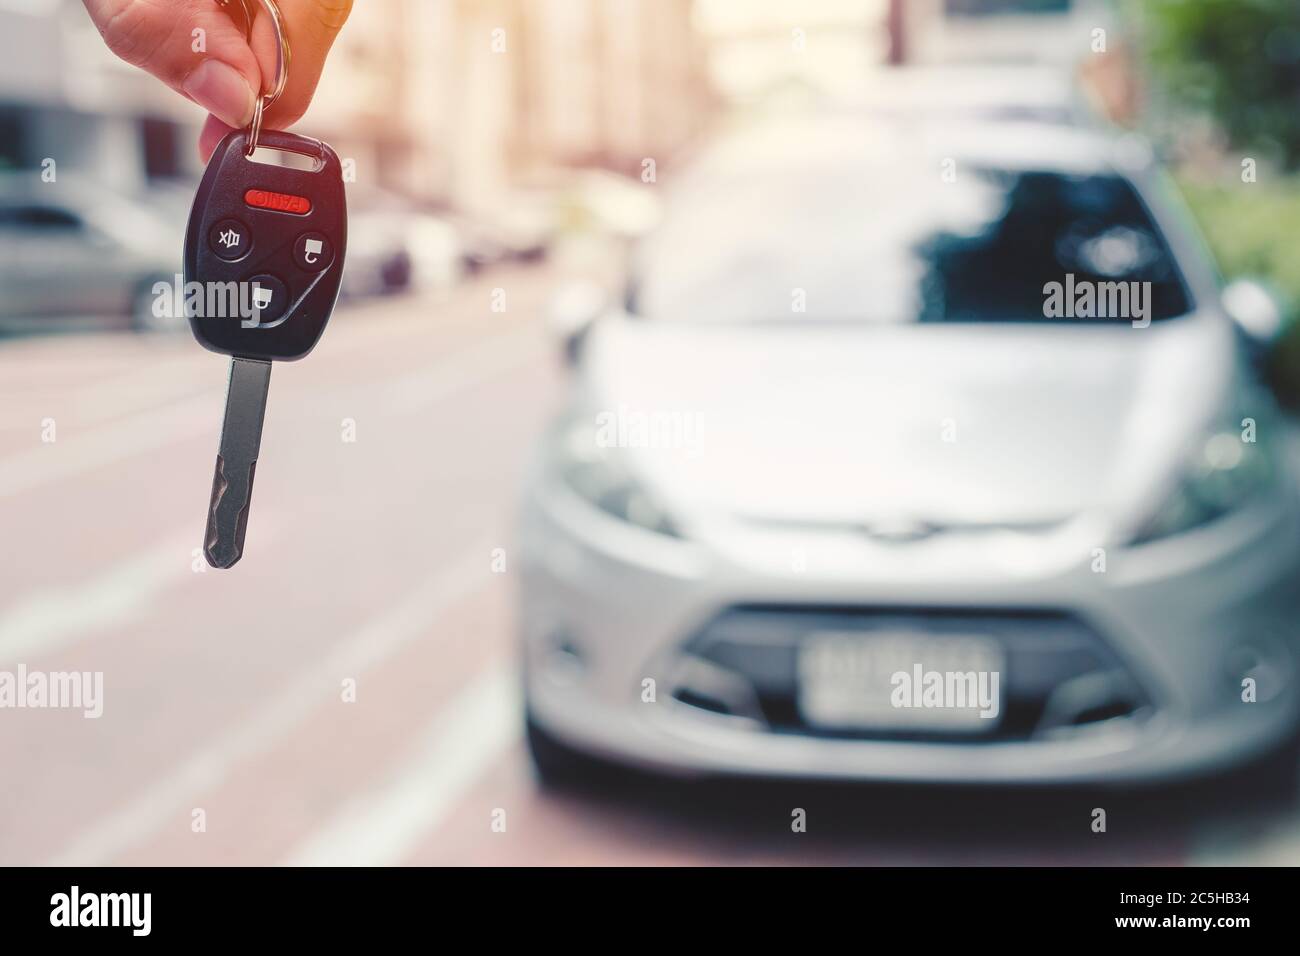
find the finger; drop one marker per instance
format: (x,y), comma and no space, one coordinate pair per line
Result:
(213,132)
(311,26)
(191,45)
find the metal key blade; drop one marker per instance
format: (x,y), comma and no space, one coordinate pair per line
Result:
(232,483)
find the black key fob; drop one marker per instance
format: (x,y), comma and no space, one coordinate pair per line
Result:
(264,248)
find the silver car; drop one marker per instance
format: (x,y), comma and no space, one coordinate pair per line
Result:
(915,454)
(75,255)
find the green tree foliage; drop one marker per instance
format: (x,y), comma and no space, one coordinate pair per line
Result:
(1237,59)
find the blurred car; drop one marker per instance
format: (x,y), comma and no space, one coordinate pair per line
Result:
(1001,92)
(521,236)
(73,255)
(994,32)
(839,441)
(393,246)
(569,214)
(378,262)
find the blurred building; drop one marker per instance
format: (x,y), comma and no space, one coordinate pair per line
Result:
(500,92)
(838,49)
(462,102)
(765,48)
(63,96)
(453,100)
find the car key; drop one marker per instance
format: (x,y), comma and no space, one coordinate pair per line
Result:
(271,238)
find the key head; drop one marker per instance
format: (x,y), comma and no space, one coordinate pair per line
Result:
(264,248)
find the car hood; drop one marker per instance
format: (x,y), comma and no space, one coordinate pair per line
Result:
(937,425)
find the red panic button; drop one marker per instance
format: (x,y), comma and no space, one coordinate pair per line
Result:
(278,202)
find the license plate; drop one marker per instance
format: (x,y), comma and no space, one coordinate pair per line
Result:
(900,681)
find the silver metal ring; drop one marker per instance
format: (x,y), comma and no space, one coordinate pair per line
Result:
(282,55)
(255,127)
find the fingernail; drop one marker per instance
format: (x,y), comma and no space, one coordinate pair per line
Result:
(221,90)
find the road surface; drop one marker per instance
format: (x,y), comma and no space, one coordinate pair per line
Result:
(348,693)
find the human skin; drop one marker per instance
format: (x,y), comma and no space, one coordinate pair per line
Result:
(225,77)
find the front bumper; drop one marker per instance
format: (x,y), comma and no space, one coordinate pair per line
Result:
(606,608)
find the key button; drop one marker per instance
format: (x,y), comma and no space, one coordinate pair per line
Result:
(230,239)
(269,299)
(313,252)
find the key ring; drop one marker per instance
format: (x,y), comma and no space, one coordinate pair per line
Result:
(265,100)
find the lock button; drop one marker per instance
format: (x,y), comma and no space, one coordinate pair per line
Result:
(269,300)
(312,252)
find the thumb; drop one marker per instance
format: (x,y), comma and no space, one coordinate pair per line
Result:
(191,45)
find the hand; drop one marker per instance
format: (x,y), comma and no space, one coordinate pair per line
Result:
(157,36)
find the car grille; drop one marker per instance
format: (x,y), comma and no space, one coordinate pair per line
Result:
(1060,676)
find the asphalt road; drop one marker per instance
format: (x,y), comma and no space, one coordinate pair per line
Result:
(348,693)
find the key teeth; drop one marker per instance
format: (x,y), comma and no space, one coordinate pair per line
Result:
(222,562)
(224,551)
(221,557)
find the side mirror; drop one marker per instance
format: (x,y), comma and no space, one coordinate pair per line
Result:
(1255,310)
(572,310)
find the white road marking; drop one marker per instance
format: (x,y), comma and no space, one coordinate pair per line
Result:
(465,368)
(75,453)
(457,747)
(55,618)
(105,399)
(133,392)
(408,620)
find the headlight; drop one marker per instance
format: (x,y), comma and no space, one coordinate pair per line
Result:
(601,476)
(1224,474)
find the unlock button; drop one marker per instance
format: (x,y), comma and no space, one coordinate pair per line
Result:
(312,252)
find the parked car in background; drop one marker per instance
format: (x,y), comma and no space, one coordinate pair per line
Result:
(840,431)
(486,240)
(394,245)
(75,255)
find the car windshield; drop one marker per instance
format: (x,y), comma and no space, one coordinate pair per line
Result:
(906,243)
